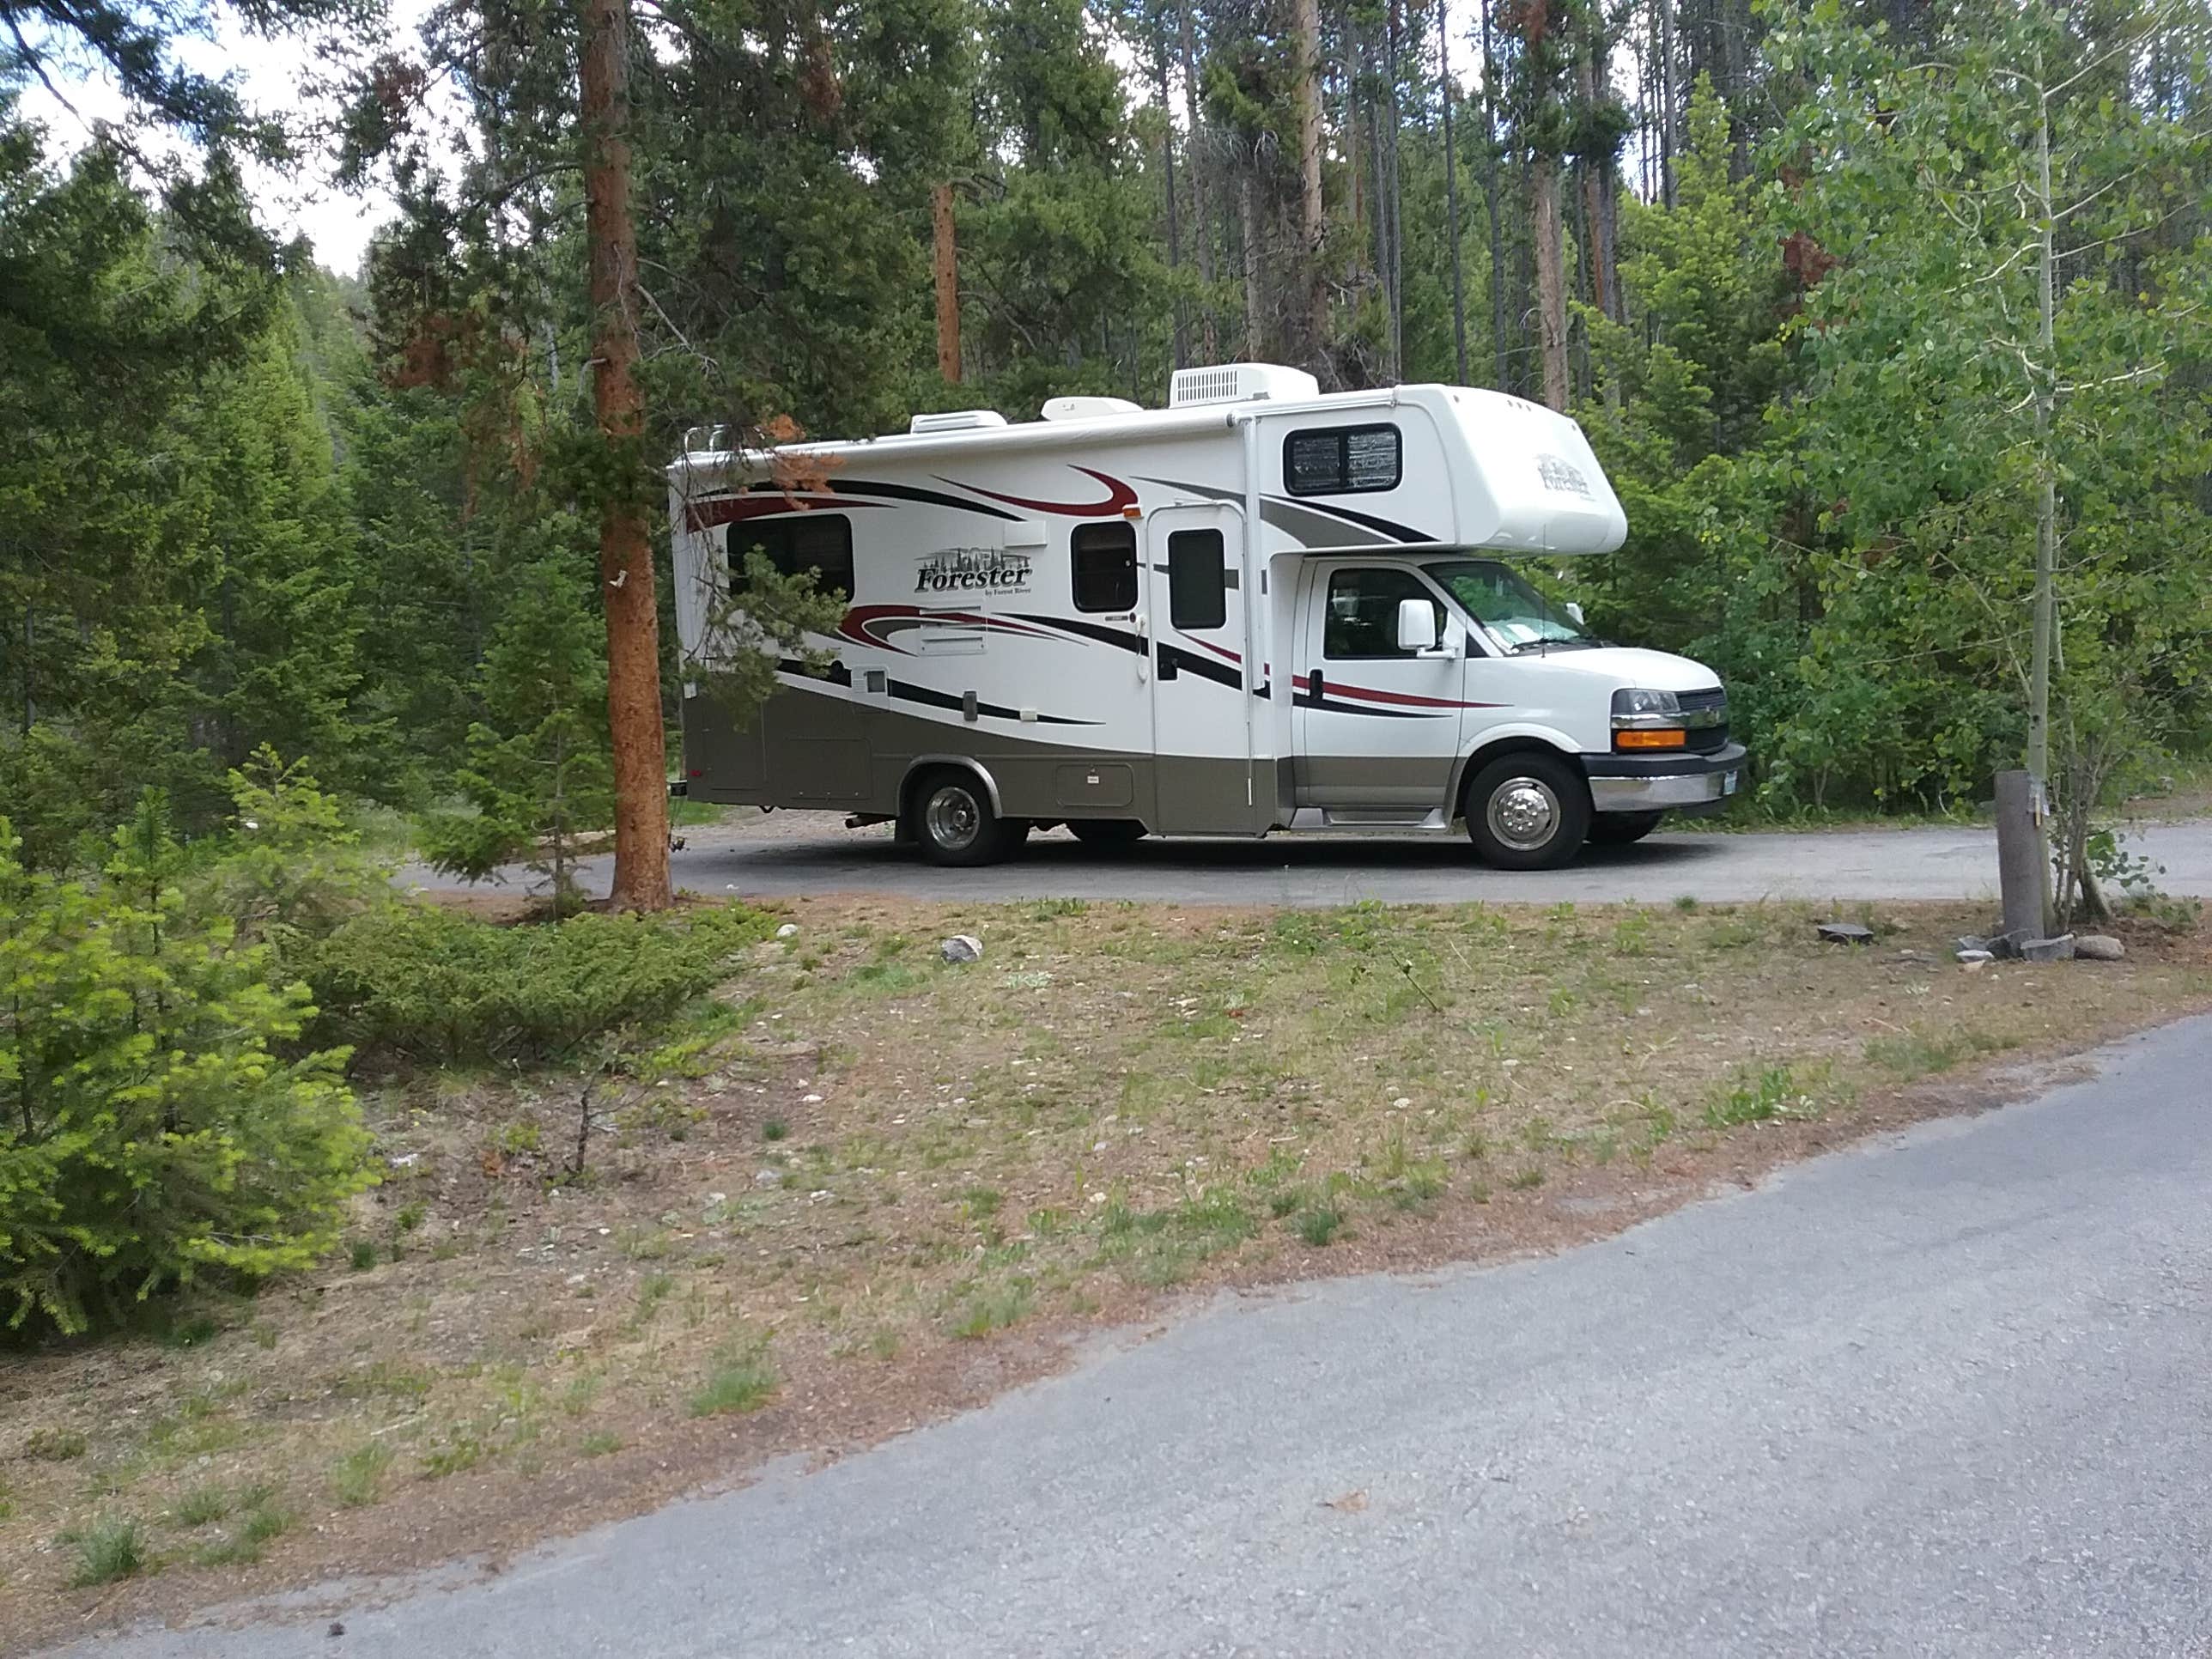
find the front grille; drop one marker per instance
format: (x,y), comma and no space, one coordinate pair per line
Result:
(1707,740)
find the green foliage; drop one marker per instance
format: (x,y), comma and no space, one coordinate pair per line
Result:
(158,1120)
(106,1552)
(742,1380)
(423,982)
(537,772)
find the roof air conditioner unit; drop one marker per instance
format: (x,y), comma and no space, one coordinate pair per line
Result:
(1240,383)
(956,419)
(1087,409)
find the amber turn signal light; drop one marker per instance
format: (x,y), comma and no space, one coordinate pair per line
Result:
(1663,737)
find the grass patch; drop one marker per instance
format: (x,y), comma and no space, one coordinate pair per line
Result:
(106,1552)
(1318,1225)
(357,1479)
(994,1309)
(742,1380)
(203,1506)
(48,1445)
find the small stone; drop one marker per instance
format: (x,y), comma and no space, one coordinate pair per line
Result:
(2060,949)
(812,1100)
(1972,942)
(2099,947)
(961,947)
(1846,932)
(337,1627)
(1401,1103)
(769,1178)
(1975,958)
(789,930)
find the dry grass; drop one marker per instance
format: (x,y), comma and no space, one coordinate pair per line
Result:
(820,1220)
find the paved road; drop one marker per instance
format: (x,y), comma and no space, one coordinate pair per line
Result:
(808,853)
(1949,1393)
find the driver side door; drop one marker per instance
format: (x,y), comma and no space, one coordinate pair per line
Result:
(1376,727)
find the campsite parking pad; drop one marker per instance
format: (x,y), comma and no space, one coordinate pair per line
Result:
(755,855)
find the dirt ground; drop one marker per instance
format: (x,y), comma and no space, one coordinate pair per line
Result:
(866,1189)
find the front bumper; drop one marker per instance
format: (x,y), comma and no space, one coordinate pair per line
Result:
(1653,783)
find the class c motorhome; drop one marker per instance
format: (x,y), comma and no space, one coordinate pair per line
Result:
(1259,609)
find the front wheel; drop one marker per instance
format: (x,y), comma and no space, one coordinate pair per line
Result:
(956,825)
(1620,829)
(1527,812)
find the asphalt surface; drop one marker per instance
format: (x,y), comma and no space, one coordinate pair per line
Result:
(1948,1393)
(788,853)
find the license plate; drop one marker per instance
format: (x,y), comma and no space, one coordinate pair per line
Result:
(1728,783)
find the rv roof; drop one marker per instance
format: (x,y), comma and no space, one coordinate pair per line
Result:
(1120,427)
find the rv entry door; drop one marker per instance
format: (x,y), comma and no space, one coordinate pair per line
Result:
(1202,703)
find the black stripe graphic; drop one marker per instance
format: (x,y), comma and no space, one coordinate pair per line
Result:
(1189,662)
(1367,520)
(929,695)
(909,493)
(1125,639)
(1328,705)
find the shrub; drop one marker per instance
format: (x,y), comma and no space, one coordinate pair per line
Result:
(151,1132)
(430,984)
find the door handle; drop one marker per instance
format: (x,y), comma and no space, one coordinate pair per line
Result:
(1143,646)
(1316,687)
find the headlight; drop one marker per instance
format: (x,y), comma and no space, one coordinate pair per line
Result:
(1637,708)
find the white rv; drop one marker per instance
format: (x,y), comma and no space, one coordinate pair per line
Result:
(1258,609)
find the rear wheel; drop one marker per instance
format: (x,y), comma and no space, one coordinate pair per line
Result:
(1527,812)
(955,825)
(1619,828)
(1106,832)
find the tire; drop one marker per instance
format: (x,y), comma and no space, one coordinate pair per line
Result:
(1527,811)
(955,825)
(1106,832)
(1620,829)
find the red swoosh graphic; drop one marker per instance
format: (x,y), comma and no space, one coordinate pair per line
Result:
(1119,497)
(1369,694)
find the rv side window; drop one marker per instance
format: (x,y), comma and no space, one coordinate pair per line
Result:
(1362,613)
(1341,460)
(820,543)
(1198,580)
(1105,560)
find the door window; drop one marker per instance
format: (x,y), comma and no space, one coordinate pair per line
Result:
(1198,580)
(1362,620)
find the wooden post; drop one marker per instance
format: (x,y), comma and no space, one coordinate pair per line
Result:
(2023,857)
(638,738)
(948,287)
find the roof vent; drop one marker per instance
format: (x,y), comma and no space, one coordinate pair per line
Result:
(956,419)
(1239,382)
(1087,409)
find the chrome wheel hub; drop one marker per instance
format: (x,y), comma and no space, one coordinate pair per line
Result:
(954,818)
(1523,813)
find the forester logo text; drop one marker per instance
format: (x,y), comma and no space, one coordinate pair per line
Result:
(973,570)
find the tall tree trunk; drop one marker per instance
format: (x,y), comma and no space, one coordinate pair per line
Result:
(1248,214)
(1397,277)
(626,585)
(1201,221)
(1501,377)
(1305,97)
(1667,136)
(1451,192)
(1550,237)
(1168,165)
(945,263)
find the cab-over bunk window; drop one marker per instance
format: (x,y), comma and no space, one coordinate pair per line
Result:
(820,544)
(1342,460)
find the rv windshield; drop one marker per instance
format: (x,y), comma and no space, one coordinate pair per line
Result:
(1516,616)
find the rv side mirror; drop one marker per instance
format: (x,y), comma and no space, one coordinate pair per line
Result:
(1575,612)
(1417,625)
